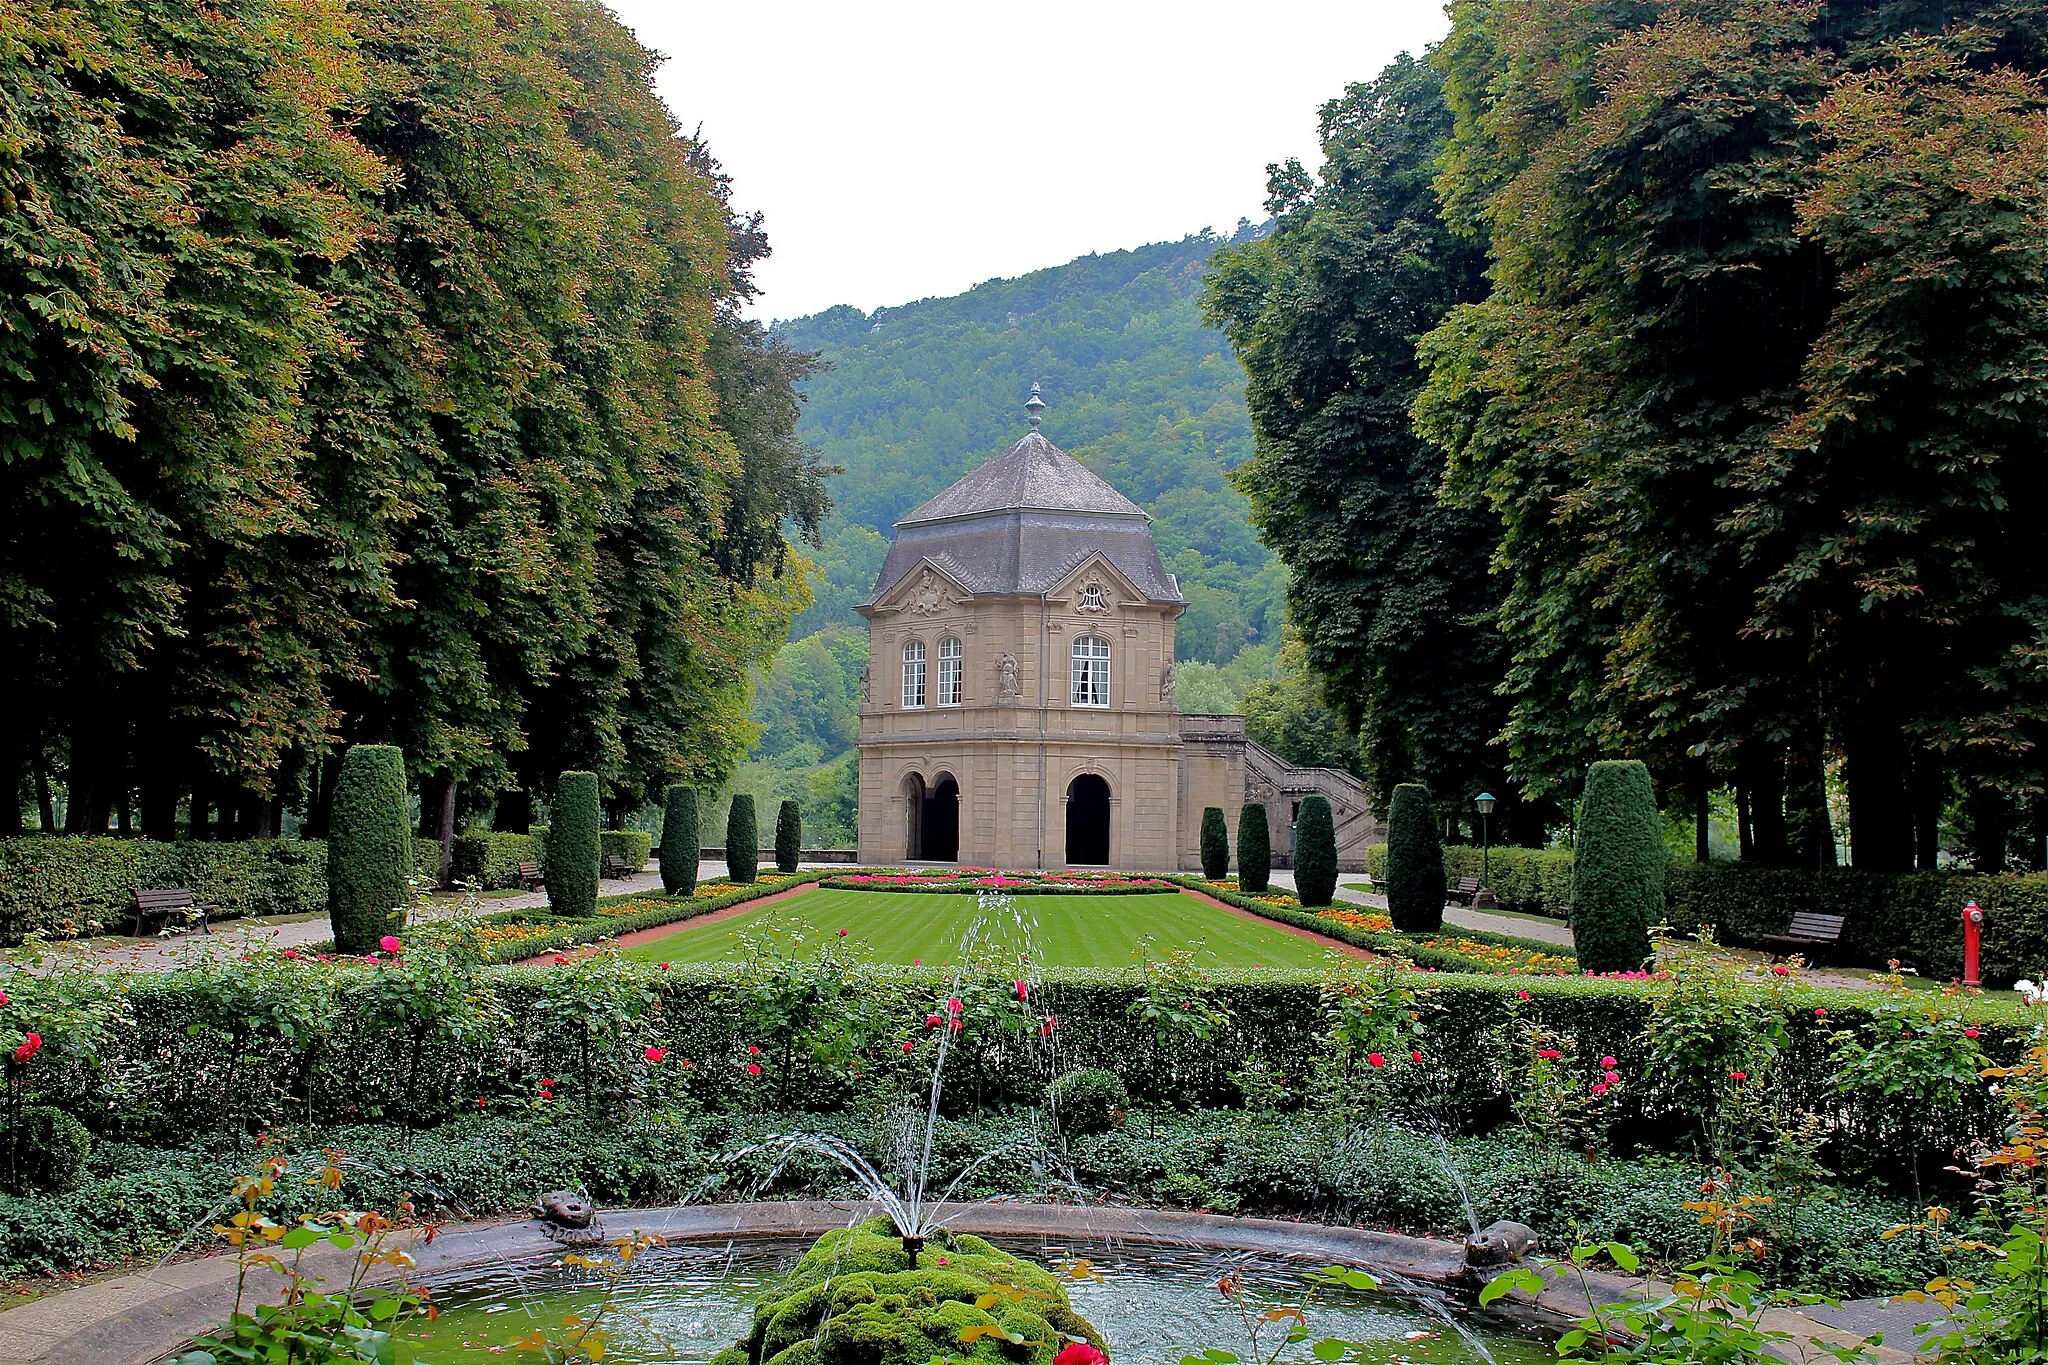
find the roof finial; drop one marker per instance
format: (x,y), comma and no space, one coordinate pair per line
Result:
(1034,405)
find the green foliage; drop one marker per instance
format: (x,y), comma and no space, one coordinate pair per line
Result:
(1254,848)
(1219,689)
(1087,1100)
(65,886)
(681,842)
(1315,852)
(1617,867)
(629,846)
(1289,716)
(369,848)
(492,860)
(306,470)
(573,851)
(1537,881)
(1215,844)
(808,703)
(855,1300)
(1415,861)
(1388,584)
(50,1150)
(742,840)
(1139,390)
(789,837)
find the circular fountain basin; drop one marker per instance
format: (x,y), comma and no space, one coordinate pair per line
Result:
(1152,1303)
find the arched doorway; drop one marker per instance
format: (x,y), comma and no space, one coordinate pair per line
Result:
(942,822)
(1088,820)
(913,817)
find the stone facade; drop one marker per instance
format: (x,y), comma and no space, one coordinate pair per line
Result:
(1019,710)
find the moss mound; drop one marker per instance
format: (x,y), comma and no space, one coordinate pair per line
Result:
(854,1300)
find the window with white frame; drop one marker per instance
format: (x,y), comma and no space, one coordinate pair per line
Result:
(949,672)
(913,673)
(1091,671)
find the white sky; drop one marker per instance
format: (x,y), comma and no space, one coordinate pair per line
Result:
(903,149)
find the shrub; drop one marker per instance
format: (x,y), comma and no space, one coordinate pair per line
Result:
(682,842)
(629,846)
(742,840)
(50,1149)
(1254,849)
(1089,1099)
(1617,868)
(66,886)
(491,859)
(369,848)
(1315,852)
(1415,861)
(789,837)
(1215,844)
(573,852)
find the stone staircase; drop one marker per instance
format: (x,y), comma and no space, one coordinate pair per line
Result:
(1273,780)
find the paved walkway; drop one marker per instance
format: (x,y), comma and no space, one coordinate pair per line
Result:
(1458,916)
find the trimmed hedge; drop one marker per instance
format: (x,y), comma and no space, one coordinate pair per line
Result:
(1617,867)
(59,886)
(1254,848)
(682,841)
(742,839)
(789,836)
(370,848)
(1415,861)
(1315,852)
(629,846)
(166,1078)
(1215,844)
(493,859)
(573,850)
(1536,881)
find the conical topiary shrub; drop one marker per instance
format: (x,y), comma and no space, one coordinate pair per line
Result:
(1315,852)
(1617,868)
(682,842)
(1415,861)
(369,848)
(1215,844)
(742,841)
(789,837)
(1254,850)
(572,846)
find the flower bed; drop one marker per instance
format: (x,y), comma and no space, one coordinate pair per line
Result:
(515,934)
(1492,954)
(976,879)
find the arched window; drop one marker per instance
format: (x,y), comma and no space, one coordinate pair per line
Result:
(1091,671)
(949,672)
(913,673)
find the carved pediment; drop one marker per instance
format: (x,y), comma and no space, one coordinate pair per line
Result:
(926,591)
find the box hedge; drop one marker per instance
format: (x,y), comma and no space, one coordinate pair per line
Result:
(1215,844)
(1254,848)
(1414,878)
(1617,867)
(789,836)
(1315,852)
(573,847)
(493,859)
(682,841)
(742,839)
(63,886)
(371,854)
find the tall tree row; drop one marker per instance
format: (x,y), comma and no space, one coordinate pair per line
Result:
(1750,403)
(369,372)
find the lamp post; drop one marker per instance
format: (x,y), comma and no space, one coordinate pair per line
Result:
(1484,805)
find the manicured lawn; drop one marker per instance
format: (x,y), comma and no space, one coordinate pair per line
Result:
(1066,931)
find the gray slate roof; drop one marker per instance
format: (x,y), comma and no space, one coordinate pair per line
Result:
(1024,521)
(1035,474)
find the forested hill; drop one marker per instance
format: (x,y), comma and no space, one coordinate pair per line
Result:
(1136,387)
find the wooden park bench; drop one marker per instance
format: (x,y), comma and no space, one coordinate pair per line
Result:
(1808,932)
(529,876)
(616,869)
(1468,887)
(164,902)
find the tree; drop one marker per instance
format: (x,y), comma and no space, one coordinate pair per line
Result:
(1388,586)
(573,850)
(789,837)
(1617,868)
(1254,849)
(369,849)
(1315,852)
(1415,861)
(681,842)
(1288,715)
(1215,844)
(742,840)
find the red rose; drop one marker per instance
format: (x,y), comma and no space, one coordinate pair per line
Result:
(954,1006)
(1416,1057)
(1820,1012)
(1045,1029)
(753,1068)
(389,943)
(932,1021)
(909,1046)
(753,1049)
(1969,1033)
(1080,1353)
(1521,995)
(1738,1075)
(1608,1063)
(1600,1087)
(1375,1059)
(1782,971)
(30,1047)
(655,1054)
(1023,991)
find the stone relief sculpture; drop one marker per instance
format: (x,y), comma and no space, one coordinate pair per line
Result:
(866,686)
(930,598)
(1007,675)
(1166,681)
(1091,599)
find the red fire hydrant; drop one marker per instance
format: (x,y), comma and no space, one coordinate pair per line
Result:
(1973,942)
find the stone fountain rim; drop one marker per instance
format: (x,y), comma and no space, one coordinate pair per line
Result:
(140,1318)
